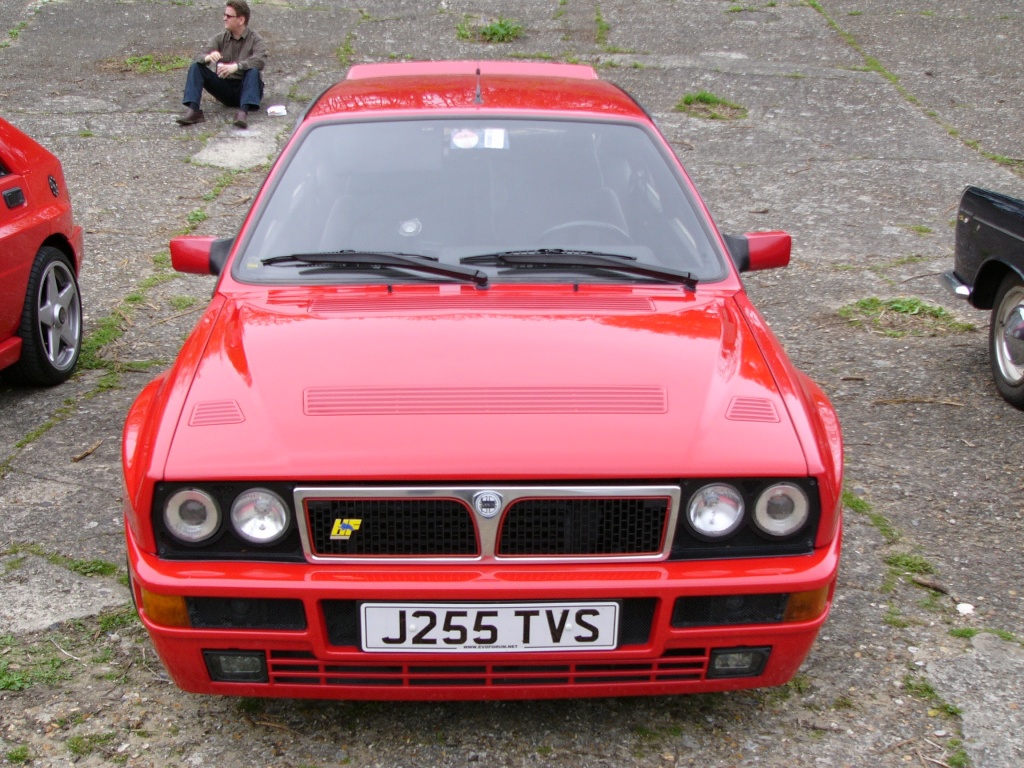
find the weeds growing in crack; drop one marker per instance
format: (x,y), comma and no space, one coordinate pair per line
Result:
(863,507)
(155,63)
(501,30)
(871,64)
(903,316)
(710,107)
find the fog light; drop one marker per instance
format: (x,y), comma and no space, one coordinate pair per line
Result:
(737,662)
(236,666)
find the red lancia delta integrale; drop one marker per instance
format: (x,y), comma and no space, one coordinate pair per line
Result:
(480,410)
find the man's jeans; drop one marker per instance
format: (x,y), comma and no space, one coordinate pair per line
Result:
(246,92)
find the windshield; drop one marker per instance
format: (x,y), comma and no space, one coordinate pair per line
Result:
(452,189)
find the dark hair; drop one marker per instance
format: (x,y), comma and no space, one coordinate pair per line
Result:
(241,8)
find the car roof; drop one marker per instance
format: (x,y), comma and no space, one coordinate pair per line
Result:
(436,87)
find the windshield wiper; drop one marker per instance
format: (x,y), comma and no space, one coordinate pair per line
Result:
(350,259)
(557,258)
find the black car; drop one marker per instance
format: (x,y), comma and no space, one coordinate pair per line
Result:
(989,273)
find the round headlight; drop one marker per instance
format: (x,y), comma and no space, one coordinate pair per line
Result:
(192,515)
(260,516)
(781,510)
(716,510)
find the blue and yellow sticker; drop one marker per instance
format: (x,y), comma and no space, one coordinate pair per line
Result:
(344,528)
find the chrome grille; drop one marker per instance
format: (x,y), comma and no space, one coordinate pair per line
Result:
(520,523)
(583,526)
(391,527)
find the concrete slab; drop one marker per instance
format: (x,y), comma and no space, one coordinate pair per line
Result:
(984,682)
(240,150)
(38,594)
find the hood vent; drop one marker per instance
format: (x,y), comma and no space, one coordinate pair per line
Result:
(216,412)
(352,401)
(476,303)
(752,409)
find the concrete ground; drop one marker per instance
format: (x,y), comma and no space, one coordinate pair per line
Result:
(865,120)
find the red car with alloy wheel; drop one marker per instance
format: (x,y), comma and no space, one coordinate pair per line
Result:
(480,410)
(40,256)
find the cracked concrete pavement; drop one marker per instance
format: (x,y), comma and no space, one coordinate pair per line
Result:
(866,120)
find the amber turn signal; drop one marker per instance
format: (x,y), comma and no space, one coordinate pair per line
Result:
(805,606)
(169,610)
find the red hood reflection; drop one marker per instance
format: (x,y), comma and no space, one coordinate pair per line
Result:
(503,383)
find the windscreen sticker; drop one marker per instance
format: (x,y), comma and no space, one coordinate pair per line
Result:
(478,138)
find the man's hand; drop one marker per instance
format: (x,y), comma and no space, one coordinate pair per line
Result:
(213,58)
(223,70)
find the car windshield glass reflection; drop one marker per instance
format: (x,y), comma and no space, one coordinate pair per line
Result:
(457,188)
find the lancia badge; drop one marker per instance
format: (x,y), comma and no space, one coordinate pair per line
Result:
(487,503)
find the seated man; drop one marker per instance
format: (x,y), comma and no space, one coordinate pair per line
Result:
(238,55)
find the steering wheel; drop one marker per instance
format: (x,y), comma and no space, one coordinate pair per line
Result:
(605,232)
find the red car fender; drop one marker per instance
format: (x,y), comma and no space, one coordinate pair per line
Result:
(151,422)
(820,435)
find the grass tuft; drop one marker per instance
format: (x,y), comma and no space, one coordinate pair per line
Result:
(156,63)
(80,746)
(903,316)
(501,30)
(907,563)
(346,52)
(602,28)
(920,688)
(862,507)
(710,107)
(965,633)
(125,617)
(19,755)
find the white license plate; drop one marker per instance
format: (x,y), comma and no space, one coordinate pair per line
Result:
(489,627)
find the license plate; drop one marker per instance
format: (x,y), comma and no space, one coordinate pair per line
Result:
(489,627)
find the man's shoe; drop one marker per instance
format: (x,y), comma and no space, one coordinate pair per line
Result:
(191,117)
(241,119)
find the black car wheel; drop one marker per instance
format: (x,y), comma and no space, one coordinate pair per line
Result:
(1006,340)
(51,321)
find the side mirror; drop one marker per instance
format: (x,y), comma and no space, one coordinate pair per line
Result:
(200,255)
(759,250)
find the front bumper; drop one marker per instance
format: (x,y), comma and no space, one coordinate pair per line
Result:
(661,657)
(955,285)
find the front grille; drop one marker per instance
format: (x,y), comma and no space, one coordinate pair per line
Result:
(583,526)
(391,527)
(341,618)
(683,664)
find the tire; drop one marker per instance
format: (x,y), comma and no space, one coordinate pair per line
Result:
(1006,340)
(51,321)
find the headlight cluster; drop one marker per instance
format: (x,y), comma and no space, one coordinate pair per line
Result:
(717,510)
(257,515)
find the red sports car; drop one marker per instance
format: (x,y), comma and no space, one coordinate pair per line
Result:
(40,255)
(480,410)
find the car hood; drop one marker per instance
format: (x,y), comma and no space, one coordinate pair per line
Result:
(481,385)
